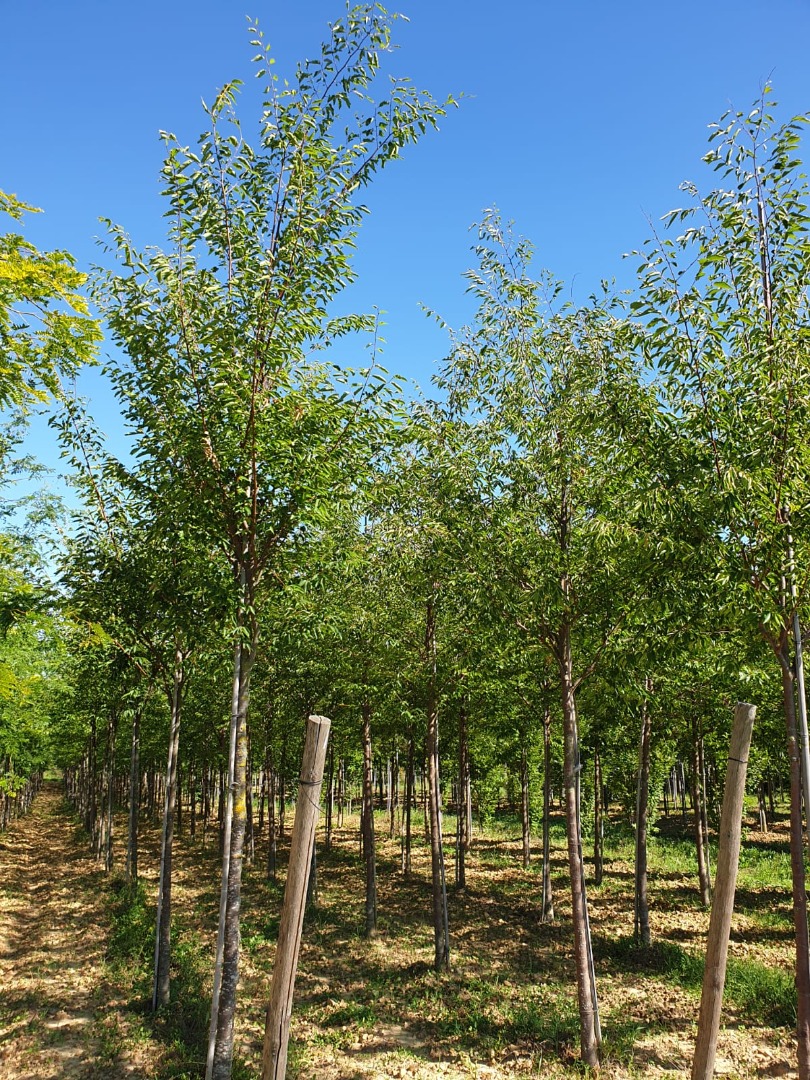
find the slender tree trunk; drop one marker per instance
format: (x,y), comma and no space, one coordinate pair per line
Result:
(525,820)
(641,924)
(226,969)
(441,930)
(704,808)
(547,906)
(249,840)
(797,862)
(463,797)
(409,787)
(369,851)
(697,800)
(109,784)
(330,798)
(598,821)
(160,988)
(272,846)
(590,1035)
(282,788)
(226,1011)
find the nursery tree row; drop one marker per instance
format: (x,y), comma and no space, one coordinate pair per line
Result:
(548,583)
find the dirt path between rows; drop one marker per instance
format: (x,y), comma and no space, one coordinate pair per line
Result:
(57,1014)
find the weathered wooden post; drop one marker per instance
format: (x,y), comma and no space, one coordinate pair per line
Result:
(728,855)
(279,1010)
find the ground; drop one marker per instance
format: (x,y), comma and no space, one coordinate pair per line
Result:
(74,959)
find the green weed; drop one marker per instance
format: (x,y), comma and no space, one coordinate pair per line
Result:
(763,994)
(132,930)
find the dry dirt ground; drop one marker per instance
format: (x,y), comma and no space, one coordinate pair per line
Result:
(369,1009)
(57,1005)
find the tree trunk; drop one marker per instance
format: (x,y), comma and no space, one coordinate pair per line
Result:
(441,931)
(547,906)
(369,852)
(797,862)
(641,923)
(409,790)
(192,799)
(226,971)
(704,881)
(463,822)
(330,798)
(160,987)
(590,1035)
(525,820)
(132,834)
(598,821)
(109,785)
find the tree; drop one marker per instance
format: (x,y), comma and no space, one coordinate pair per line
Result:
(46,332)
(725,307)
(220,385)
(553,389)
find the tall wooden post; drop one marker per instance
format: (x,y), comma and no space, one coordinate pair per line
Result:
(279,1010)
(728,855)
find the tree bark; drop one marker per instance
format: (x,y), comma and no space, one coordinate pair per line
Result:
(226,969)
(525,820)
(797,862)
(704,881)
(463,820)
(590,1034)
(547,905)
(369,845)
(441,932)
(409,792)
(641,924)
(598,821)
(160,987)
(330,798)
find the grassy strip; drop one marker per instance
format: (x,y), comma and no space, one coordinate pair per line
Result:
(762,994)
(182,1026)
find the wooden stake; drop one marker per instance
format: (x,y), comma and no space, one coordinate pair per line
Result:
(279,1010)
(728,855)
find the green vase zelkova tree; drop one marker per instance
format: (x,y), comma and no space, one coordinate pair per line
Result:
(552,391)
(429,516)
(726,311)
(156,595)
(218,380)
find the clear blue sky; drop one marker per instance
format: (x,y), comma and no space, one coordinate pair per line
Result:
(579,122)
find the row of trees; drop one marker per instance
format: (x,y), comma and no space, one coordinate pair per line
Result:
(592,543)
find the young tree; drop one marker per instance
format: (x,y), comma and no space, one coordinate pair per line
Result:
(726,311)
(219,382)
(552,390)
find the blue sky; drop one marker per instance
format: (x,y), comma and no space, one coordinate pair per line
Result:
(579,122)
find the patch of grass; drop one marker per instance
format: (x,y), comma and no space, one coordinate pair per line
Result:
(361,1013)
(763,994)
(183,1023)
(550,1018)
(132,930)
